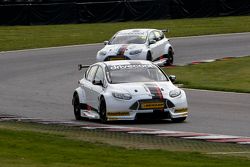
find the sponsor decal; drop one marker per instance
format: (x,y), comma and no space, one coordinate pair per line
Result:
(117,58)
(142,34)
(152,105)
(129,66)
(118,114)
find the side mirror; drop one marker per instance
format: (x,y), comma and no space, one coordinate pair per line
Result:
(172,78)
(105,42)
(152,41)
(96,82)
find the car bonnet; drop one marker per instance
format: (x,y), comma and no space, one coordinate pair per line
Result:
(118,48)
(144,88)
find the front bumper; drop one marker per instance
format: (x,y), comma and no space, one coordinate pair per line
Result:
(131,109)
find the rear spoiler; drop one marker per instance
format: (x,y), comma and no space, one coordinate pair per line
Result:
(80,66)
(165,30)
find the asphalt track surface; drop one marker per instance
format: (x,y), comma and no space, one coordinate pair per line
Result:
(39,84)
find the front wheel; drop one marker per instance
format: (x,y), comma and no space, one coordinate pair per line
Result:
(178,120)
(102,110)
(170,57)
(77,108)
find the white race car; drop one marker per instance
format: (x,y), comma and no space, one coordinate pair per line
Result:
(128,90)
(138,44)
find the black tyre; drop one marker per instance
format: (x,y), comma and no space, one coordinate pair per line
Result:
(170,57)
(149,56)
(77,109)
(102,110)
(178,120)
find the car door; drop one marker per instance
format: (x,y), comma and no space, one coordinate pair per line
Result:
(160,42)
(98,86)
(88,85)
(154,47)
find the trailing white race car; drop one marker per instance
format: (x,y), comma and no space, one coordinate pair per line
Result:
(127,90)
(138,44)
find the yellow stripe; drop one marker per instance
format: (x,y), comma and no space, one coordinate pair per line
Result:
(118,114)
(181,110)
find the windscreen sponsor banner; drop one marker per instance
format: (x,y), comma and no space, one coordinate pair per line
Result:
(130,66)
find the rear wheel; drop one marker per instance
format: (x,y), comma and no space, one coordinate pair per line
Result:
(170,57)
(102,110)
(77,109)
(178,120)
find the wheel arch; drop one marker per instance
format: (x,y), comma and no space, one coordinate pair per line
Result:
(167,47)
(146,55)
(81,94)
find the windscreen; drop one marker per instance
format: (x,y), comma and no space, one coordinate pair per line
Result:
(135,73)
(128,39)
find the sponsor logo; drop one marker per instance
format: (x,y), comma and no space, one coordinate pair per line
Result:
(117,58)
(130,66)
(118,114)
(152,105)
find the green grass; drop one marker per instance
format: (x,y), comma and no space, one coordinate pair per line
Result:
(227,75)
(23,37)
(24,148)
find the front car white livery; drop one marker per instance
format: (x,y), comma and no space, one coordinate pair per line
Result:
(128,90)
(138,44)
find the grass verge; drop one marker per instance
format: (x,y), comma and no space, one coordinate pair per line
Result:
(24,37)
(26,144)
(227,75)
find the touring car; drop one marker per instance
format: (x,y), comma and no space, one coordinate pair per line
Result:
(138,44)
(128,90)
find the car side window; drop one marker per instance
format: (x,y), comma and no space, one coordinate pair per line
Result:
(159,35)
(151,36)
(91,73)
(99,76)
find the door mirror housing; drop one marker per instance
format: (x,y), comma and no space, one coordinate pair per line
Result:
(172,78)
(97,82)
(152,41)
(106,42)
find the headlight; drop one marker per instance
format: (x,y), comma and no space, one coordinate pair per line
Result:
(124,96)
(175,93)
(134,52)
(102,53)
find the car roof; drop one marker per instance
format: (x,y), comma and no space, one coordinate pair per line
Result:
(143,31)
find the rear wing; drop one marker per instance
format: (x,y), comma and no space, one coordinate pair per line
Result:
(80,66)
(165,30)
